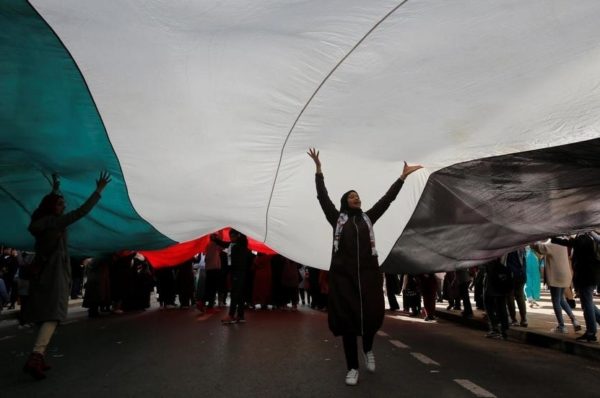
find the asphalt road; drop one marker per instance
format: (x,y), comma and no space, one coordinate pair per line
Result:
(176,353)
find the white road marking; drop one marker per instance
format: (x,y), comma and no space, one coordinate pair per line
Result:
(474,388)
(424,359)
(398,344)
(69,322)
(6,337)
(382,333)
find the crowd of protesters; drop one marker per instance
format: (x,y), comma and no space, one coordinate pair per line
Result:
(227,272)
(505,287)
(120,283)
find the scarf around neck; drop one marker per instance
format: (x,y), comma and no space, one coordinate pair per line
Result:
(342,219)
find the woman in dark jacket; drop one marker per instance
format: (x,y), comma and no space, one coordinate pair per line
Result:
(50,272)
(356,305)
(238,260)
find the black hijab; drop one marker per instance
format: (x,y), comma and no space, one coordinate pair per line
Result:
(344,205)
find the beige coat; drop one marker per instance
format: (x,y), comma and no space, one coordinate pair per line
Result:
(557,265)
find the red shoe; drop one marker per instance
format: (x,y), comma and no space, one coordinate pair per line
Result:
(35,366)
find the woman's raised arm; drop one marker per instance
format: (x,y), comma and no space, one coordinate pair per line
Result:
(327,205)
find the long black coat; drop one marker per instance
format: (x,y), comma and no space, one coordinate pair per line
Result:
(586,268)
(49,291)
(356,305)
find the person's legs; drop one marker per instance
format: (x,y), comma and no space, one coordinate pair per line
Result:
(232,307)
(240,311)
(222,286)
(503,314)
(302,296)
(367,341)
(237,295)
(491,312)
(429,302)
(44,335)
(36,365)
(567,308)
(14,294)
(439,286)
(464,294)
(391,287)
(200,288)
(236,299)
(393,301)
(4,298)
(557,297)
(589,313)
(351,351)
(294,296)
(211,287)
(478,290)
(521,302)
(510,301)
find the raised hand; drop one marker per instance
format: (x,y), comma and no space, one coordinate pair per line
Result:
(55,183)
(408,170)
(314,155)
(102,181)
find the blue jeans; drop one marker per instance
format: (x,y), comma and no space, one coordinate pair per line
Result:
(559,303)
(591,313)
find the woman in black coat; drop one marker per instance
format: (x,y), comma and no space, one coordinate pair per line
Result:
(356,305)
(50,272)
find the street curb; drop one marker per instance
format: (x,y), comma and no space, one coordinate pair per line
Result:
(528,336)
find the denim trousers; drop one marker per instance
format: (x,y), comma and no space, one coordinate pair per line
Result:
(559,303)
(591,313)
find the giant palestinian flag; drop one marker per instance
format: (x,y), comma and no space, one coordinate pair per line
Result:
(203,111)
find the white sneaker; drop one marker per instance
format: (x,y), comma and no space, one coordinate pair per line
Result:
(370,361)
(352,377)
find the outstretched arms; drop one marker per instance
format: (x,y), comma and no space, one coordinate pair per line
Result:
(408,170)
(55,183)
(314,155)
(63,221)
(327,205)
(102,181)
(85,208)
(384,203)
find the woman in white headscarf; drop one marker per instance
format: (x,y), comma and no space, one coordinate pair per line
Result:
(356,305)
